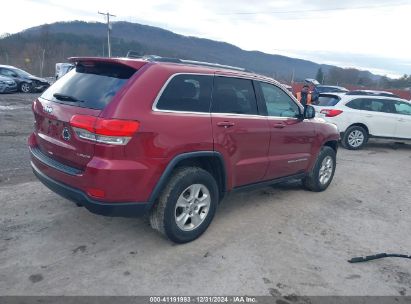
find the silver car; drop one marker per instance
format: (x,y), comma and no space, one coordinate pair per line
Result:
(7,85)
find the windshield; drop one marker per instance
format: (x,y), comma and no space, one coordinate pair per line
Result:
(92,86)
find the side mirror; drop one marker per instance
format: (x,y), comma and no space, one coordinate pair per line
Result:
(309,112)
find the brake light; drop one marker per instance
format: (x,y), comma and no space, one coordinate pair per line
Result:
(331,113)
(108,131)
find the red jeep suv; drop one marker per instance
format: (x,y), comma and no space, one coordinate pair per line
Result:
(169,138)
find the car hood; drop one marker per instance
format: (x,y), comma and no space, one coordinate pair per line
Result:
(35,78)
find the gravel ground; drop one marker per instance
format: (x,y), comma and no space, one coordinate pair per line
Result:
(276,241)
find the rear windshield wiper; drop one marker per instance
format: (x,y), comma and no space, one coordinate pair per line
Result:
(68,98)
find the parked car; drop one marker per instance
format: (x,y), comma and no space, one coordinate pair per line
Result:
(126,137)
(7,85)
(327,89)
(360,117)
(63,68)
(25,81)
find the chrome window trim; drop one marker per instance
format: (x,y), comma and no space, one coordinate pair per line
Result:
(255,78)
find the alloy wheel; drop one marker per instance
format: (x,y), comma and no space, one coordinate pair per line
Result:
(356,138)
(192,207)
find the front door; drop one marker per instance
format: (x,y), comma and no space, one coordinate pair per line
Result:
(291,138)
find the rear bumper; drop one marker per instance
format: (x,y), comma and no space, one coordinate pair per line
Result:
(133,209)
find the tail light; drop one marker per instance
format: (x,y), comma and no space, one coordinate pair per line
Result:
(98,193)
(107,131)
(331,113)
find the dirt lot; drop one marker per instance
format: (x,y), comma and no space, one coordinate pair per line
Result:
(275,241)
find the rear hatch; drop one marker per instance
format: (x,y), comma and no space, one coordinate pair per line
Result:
(86,90)
(326,100)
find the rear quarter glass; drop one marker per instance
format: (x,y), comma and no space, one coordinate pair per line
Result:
(92,86)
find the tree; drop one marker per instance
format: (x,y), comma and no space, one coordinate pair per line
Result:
(320,76)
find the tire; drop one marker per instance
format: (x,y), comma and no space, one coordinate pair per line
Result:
(25,87)
(355,138)
(323,171)
(195,215)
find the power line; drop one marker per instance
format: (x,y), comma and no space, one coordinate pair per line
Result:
(108,15)
(317,10)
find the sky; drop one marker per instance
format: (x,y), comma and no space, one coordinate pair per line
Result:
(366,34)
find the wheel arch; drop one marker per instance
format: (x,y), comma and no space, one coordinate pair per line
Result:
(333,144)
(211,161)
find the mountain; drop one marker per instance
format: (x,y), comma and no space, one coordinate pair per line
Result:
(63,39)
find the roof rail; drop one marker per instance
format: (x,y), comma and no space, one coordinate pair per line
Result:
(372,93)
(216,65)
(155,58)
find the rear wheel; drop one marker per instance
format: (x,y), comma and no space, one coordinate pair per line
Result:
(25,87)
(355,138)
(322,174)
(186,206)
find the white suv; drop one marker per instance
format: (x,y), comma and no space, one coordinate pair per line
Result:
(359,117)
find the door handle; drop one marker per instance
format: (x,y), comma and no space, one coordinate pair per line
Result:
(401,120)
(225,124)
(369,115)
(279,125)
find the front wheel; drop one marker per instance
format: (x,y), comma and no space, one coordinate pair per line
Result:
(25,87)
(322,174)
(186,206)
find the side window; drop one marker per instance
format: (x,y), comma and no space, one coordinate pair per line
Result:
(278,102)
(7,73)
(402,108)
(376,105)
(234,95)
(355,104)
(388,106)
(366,104)
(190,93)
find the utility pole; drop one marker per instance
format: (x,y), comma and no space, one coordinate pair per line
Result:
(42,63)
(108,15)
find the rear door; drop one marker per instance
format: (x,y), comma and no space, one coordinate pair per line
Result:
(239,131)
(380,117)
(86,90)
(291,138)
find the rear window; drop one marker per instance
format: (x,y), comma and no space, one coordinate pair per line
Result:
(327,100)
(189,93)
(89,86)
(355,104)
